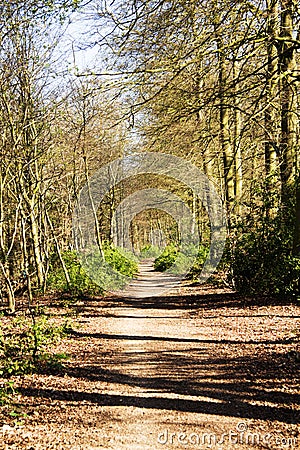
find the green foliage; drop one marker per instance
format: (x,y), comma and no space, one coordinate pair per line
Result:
(25,342)
(260,256)
(7,391)
(190,259)
(264,265)
(166,259)
(149,251)
(113,273)
(80,284)
(123,262)
(197,266)
(120,260)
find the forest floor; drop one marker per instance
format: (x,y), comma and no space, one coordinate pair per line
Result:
(200,367)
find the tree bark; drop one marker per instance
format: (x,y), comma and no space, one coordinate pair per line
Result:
(271,115)
(238,160)
(227,150)
(287,66)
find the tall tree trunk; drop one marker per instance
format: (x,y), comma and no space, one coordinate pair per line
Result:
(287,66)
(238,160)
(36,245)
(65,270)
(10,291)
(271,116)
(227,150)
(296,240)
(26,258)
(97,228)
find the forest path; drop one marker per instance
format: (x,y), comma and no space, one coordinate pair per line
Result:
(171,372)
(150,283)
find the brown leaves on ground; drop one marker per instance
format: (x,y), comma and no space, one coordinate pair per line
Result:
(200,368)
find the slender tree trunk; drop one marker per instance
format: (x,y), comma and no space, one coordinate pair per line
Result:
(238,160)
(25,258)
(227,151)
(10,291)
(287,66)
(271,115)
(296,241)
(97,228)
(65,270)
(36,246)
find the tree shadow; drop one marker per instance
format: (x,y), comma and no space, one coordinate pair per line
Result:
(190,301)
(238,386)
(240,409)
(259,386)
(130,337)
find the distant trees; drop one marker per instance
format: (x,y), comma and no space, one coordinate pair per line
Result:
(219,84)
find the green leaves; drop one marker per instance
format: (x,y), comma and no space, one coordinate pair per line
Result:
(261,253)
(25,343)
(166,259)
(121,260)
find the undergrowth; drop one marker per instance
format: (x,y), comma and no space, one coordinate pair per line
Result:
(119,265)
(25,345)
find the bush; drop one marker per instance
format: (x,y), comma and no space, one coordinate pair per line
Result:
(123,263)
(121,260)
(150,251)
(7,392)
(166,259)
(264,265)
(80,283)
(260,254)
(24,345)
(189,260)
(197,266)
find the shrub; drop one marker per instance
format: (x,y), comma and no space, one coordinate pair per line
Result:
(181,264)
(166,259)
(265,265)
(190,259)
(197,266)
(150,251)
(7,392)
(24,345)
(260,253)
(80,283)
(123,262)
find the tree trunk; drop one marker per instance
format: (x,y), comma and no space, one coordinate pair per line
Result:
(36,247)
(287,66)
(65,270)
(227,151)
(296,241)
(26,259)
(271,117)
(238,160)
(10,291)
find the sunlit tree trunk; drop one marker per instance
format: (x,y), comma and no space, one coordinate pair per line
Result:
(271,112)
(287,65)
(238,160)
(226,146)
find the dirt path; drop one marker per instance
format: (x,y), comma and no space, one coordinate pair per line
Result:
(201,368)
(150,283)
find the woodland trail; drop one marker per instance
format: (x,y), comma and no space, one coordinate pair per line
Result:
(150,283)
(200,367)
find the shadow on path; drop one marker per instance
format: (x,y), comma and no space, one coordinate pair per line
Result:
(238,387)
(195,406)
